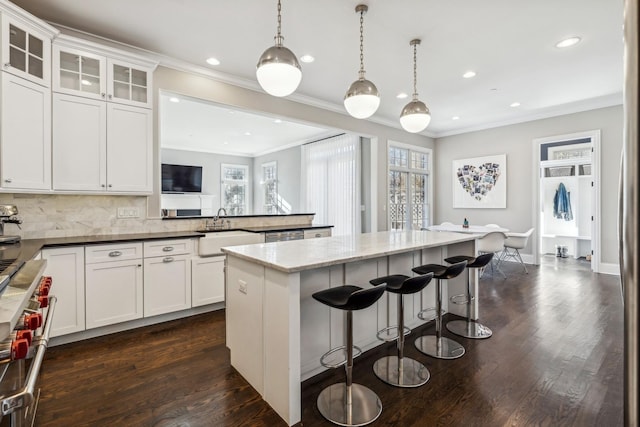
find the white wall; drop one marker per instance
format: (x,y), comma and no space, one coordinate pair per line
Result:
(517,141)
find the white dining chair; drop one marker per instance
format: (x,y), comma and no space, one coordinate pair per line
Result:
(446,223)
(512,245)
(492,242)
(493,226)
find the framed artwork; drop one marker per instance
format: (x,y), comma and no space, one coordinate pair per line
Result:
(480,182)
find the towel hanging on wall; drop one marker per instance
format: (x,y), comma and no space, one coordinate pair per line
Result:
(562,204)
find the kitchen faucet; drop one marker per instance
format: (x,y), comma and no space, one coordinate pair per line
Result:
(223,210)
(216,217)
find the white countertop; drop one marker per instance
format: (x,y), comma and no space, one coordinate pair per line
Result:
(298,255)
(472,229)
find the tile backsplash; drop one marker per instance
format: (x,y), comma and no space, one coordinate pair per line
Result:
(48,216)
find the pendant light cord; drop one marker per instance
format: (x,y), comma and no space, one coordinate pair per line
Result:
(361,72)
(415,72)
(278,37)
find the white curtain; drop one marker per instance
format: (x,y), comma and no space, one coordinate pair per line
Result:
(331,182)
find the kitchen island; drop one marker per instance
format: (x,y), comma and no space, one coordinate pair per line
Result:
(277,332)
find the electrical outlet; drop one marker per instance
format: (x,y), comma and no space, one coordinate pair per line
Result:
(128,213)
(242,286)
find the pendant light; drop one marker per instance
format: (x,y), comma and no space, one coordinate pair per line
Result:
(278,70)
(362,98)
(415,116)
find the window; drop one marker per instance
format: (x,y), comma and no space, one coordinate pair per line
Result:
(331,179)
(270,186)
(409,187)
(234,182)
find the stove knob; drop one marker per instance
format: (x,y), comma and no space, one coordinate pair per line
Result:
(24,335)
(44,301)
(33,321)
(19,348)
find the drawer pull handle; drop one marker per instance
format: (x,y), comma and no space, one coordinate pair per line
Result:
(318,235)
(167,259)
(167,249)
(114,254)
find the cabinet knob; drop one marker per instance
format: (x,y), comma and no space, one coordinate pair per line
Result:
(110,96)
(103,94)
(8,180)
(167,249)
(110,185)
(114,254)
(167,259)
(102,185)
(7,64)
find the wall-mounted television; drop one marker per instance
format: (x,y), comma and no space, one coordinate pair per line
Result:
(181,179)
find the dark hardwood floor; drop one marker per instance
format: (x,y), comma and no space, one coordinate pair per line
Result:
(555,359)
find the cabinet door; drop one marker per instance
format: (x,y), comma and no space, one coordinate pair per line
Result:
(113,292)
(207,280)
(129,149)
(66,267)
(25,52)
(25,134)
(167,284)
(79,143)
(79,73)
(128,84)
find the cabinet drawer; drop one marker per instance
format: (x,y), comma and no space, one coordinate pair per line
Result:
(168,247)
(113,252)
(317,232)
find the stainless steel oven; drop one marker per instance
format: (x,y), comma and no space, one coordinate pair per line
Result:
(26,313)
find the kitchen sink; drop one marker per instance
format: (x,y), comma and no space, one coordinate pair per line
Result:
(213,241)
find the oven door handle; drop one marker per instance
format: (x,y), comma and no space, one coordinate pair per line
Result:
(24,397)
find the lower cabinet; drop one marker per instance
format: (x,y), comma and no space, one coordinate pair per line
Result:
(313,233)
(114,290)
(66,266)
(167,284)
(207,278)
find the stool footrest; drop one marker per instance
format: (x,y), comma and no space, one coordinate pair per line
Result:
(461,299)
(327,362)
(390,333)
(422,315)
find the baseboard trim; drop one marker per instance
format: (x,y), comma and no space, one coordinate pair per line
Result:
(610,268)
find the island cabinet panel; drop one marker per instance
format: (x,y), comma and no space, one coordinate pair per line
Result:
(244,321)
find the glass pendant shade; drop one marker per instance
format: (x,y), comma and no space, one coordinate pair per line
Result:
(278,71)
(362,99)
(415,116)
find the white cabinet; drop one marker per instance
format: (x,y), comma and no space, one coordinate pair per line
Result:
(25,134)
(114,288)
(66,266)
(167,276)
(207,278)
(26,51)
(103,122)
(313,233)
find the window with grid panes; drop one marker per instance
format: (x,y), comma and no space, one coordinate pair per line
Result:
(270,185)
(408,188)
(234,181)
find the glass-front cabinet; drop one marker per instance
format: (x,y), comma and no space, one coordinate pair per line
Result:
(79,73)
(128,84)
(26,52)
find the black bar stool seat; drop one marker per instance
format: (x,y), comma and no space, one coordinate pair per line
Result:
(398,370)
(469,328)
(349,404)
(436,345)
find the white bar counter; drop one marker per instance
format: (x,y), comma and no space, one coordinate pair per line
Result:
(276,331)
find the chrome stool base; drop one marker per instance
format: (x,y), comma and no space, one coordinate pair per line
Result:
(364,409)
(440,348)
(411,374)
(469,329)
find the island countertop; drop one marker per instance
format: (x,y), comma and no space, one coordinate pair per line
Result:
(299,255)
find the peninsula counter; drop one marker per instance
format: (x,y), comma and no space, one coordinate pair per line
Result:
(277,332)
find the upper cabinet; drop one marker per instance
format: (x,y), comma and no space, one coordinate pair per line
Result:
(81,69)
(26,50)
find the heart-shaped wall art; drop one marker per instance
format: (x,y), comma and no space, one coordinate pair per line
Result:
(478,181)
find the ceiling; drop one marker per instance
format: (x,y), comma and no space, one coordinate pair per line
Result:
(510,44)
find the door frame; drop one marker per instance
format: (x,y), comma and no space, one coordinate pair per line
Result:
(594,136)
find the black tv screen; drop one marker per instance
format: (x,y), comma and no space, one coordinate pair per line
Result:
(181,179)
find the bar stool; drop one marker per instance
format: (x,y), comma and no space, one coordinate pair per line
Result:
(469,328)
(436,345)
(398,370)
(348,404)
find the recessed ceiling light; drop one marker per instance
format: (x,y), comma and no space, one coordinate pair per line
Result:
(226,143)
(248,133)
(277,121)
(402,95)
(213,61)
(86,82)
(307,58)
(455,118)
(469,74)
(568,42)
(515,104)
(174,99)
